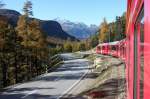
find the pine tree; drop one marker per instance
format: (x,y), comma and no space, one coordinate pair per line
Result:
(123,25)
(7,51)
(3,27)
(94,40)
(120,27)
(112,31)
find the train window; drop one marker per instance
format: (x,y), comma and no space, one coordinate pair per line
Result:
(103,47)
(128,60)
(139,28)
(123,50)
(99,48)
(141,55)
(113,47)
(135,62)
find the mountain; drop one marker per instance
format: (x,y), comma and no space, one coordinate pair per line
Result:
(51,28)
(78,30)
(54,29)
(12,15)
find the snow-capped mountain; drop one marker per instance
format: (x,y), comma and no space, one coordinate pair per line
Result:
(78,29)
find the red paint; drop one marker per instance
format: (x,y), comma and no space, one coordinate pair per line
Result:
(147,50)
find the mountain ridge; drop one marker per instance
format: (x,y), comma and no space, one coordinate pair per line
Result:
(50,27)
(78,29)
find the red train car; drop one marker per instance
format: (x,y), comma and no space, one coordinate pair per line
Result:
(99,49)
(102,48)
(138,47)
(122,49)
(114,48)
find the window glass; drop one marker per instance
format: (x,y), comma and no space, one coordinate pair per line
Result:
(139,28)
(113,47)
(141,56)
(135,61)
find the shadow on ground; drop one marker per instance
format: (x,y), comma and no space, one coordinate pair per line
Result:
(110,89)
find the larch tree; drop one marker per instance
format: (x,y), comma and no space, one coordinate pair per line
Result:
(104,29)
(37,41)
(33,41)
(23,50)
(23,33)
(23,23)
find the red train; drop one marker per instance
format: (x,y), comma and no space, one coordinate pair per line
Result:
(135,49)
(116,49)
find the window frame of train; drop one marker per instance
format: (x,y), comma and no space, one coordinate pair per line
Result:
(138,51)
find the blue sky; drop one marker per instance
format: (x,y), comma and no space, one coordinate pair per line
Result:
(87,11)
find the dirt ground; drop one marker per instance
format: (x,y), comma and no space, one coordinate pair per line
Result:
(110,83)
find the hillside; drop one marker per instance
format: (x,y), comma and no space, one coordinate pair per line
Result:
(12,15)
(51,28)
(54,29)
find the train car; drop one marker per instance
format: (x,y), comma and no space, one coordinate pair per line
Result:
(102,48)
(122,49)
(138,47)
(114,48)
(105,49)
(98,49)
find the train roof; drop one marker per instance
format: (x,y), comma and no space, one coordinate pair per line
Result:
(109,43)
(113,43)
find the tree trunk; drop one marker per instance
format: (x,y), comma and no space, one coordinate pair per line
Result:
(4,70)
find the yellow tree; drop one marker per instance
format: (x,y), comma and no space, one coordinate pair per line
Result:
(104,29)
